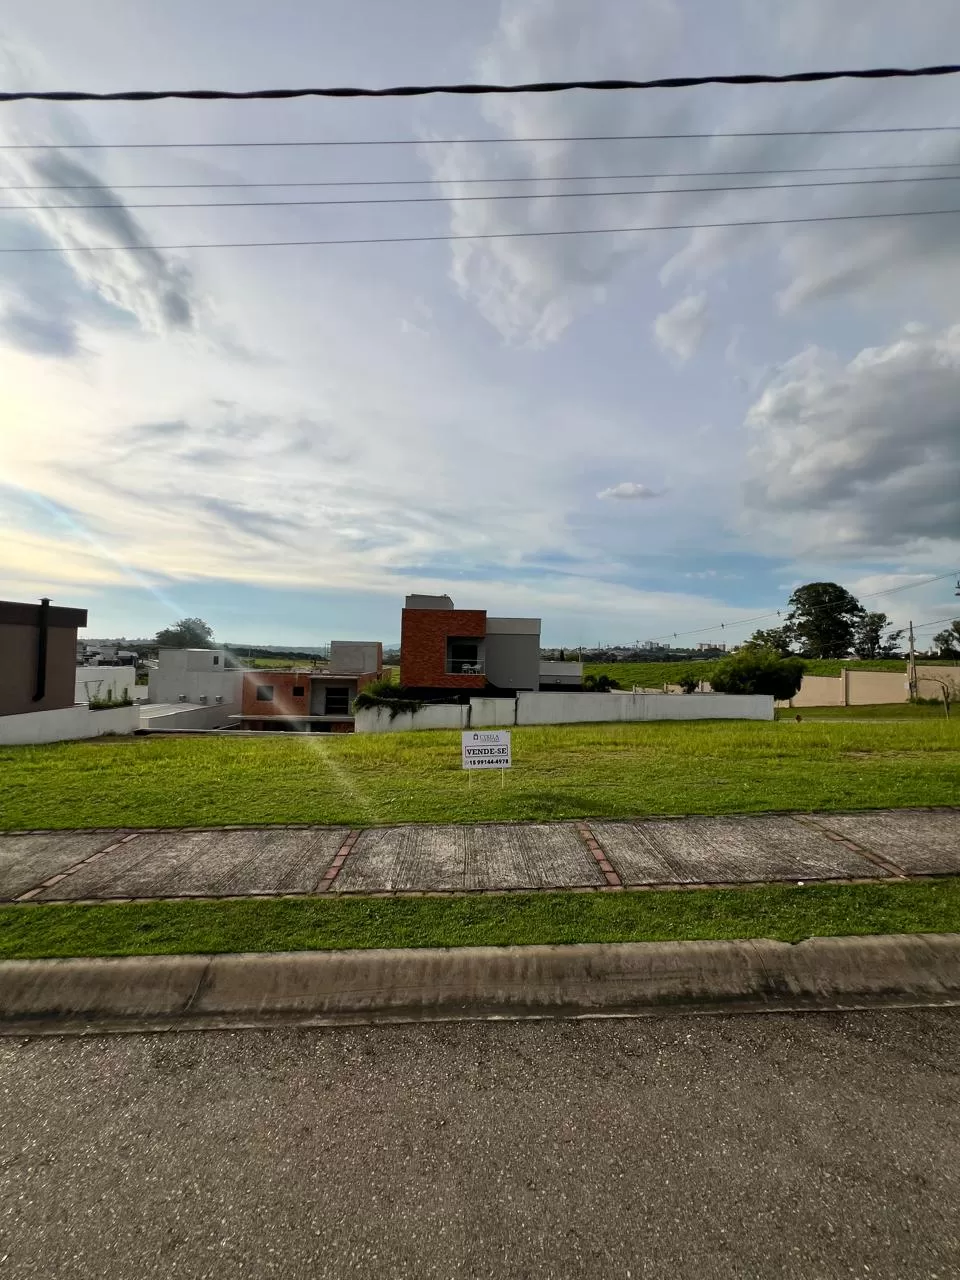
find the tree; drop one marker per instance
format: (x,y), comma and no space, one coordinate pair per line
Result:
(758,671)
(688,682)
(822,618)
(947,643)
(601,683)
(868,638)
(779,639)
(188,633)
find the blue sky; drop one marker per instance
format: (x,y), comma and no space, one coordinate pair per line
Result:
(629,435)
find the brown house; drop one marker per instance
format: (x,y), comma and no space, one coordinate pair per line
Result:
(311,701)
(447,649)
(38,656)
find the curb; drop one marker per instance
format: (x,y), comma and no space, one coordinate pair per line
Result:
(317,988)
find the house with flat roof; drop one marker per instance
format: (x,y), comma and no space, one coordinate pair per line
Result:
(444,649)
(310,701)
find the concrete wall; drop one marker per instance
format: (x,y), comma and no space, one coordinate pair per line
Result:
(561,673)
(105,682)
(348,657)
(512,653)
(377,719)
(186,718)
(855,688)
(570,708)
(194,674)
(19,633)
(65,724)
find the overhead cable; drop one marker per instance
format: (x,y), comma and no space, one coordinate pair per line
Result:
(483,235)
(525,195)
(537,86)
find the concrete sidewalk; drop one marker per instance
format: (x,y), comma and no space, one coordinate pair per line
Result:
(55,866)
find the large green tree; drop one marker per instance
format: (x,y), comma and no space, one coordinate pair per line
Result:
(869,640)
(758,671)
(947,643)
(822,618)
(779,639)
(188,633)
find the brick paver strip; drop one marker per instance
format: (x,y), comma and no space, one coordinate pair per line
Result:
(921,844)
(727,851)
(590,840)
(28,860)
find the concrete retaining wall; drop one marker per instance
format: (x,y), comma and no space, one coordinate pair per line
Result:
(378,720)
(570,708)
(854,688)
(215,717)
(66,724)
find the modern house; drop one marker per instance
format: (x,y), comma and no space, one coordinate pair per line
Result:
(311,701)
(192,689)
(444,649)
(38,659)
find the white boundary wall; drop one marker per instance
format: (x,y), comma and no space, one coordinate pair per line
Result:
(65,724)
(570,708)
(105,682)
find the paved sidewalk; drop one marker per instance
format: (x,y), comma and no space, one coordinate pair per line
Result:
(226,862)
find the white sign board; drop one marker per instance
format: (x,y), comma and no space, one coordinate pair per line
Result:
(486,749)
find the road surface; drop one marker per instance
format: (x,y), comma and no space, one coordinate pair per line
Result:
(815,1146)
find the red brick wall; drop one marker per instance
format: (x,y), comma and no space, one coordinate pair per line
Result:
(284,703)
(423,646)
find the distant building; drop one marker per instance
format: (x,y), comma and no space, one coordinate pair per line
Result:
(311,701)
(444,649)
(38,665)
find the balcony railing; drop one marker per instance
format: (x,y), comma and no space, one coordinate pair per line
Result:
(464,667)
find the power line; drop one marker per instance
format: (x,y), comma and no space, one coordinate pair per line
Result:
(434,182)
(539,86)
(446,142)
(485,235)
(777,613)
(525,195)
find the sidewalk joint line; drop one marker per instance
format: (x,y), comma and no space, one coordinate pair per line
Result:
(854,846)
(595,848)
(77,866)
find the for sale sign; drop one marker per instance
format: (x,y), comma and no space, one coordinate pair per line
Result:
(486,749)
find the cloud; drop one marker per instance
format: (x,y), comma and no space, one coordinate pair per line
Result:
(628,491)
(680,330)
(40,333)
(861,456)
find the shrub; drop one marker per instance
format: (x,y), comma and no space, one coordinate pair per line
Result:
(758,671)
(108,703)
(689,683)
(384,693)
(600,684)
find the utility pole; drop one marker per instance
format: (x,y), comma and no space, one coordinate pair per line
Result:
(912,668)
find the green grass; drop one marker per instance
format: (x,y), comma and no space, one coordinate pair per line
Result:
(560,771)
(875,711)
(785,912)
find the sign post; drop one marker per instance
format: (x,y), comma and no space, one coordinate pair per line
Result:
(485,749)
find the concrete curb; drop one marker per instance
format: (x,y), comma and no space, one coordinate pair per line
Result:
(594,980)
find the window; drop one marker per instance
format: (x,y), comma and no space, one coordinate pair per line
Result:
(216,660)
(264,692)
(298,690)
(338,701)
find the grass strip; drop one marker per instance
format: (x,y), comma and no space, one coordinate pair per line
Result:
(786,912)
(559,771)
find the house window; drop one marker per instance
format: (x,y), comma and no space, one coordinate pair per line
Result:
(216,661)
(298,690)
(264,692)
(338,701)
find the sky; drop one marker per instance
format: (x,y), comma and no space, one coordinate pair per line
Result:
(631,435)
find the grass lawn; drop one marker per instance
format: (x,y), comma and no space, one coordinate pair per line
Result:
(784,912)
(560,771)
(875,711)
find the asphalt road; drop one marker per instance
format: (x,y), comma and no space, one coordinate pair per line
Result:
(812,1146)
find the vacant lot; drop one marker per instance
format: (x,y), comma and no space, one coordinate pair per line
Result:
(873,711)
(559,772)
